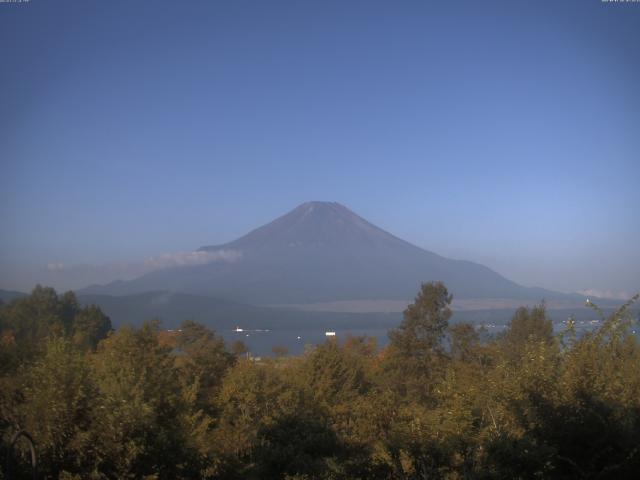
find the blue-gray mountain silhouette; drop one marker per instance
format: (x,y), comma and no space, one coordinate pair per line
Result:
(318,252)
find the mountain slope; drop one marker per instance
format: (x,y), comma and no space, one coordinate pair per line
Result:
(8,295)
(318,252)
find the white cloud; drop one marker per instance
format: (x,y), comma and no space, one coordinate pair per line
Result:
(183,259)
(63,277)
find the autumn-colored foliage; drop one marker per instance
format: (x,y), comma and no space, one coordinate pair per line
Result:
(437,402)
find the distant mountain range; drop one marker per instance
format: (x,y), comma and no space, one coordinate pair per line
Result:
(323,252)
(319,267)
(8,295)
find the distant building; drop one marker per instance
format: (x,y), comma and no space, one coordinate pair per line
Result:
(330,334)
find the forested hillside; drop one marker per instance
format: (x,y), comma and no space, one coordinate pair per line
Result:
(438,402)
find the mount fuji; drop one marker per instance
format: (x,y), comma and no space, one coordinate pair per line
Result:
(323,252)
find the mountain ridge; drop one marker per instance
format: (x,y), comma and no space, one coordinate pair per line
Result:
(288,225)
(322,251)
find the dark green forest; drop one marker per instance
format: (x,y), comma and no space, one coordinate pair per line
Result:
(440,401)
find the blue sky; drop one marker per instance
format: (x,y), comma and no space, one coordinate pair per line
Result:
(507,133)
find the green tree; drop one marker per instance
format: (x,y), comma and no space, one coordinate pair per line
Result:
(464,342)
(26,323)
(32,319)
(297,444)
(141,427)
(415,356)
(280,351)
(238,348)
(527,325)
(90,325)
(336,376)
(425,322)
(58,410)
(203,360)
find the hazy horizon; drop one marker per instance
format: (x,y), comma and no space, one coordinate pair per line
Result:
(65,277)
(504,133)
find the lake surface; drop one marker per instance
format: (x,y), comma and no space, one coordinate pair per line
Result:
(261,343)
(296,339)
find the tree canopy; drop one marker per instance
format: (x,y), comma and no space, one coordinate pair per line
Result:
(440,401)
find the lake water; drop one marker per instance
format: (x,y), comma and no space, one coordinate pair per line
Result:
(261,342)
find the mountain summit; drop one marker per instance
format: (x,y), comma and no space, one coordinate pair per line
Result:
(323,252)
(317,225)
